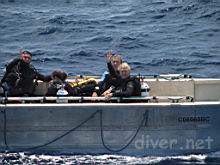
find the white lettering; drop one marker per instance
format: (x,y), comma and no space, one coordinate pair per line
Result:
(139,144)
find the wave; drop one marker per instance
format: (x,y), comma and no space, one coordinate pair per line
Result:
(206,30)
(48,59)
(181,62)
(129,42)
(180,35)
(100,39)
(210,14)
(60,20)
(185,69)
(20,158)
(158,16)
(80,53)
(170,9)
(48,30)
(201,55)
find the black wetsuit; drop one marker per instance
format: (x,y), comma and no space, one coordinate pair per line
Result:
(19,78)
(109,80)
(126,88)
(122,87)
(54,86)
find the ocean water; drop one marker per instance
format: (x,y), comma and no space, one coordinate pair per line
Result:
(22,158)
(153,36)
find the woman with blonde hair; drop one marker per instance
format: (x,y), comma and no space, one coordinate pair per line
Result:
(128,85)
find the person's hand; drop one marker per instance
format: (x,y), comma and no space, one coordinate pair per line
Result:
(97,81)
(109,56)
(108,96)
(77,80)
(107,92)
(20,51)
(94,94)
(17,82)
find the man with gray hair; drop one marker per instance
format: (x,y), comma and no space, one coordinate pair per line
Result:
(109,79)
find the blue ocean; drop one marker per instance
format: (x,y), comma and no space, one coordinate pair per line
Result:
(153,36)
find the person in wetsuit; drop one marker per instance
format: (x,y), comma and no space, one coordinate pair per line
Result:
(58,82)
(109,78)
(60,87)
(128,86)
(19,77)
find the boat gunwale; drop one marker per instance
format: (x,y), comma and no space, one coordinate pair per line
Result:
(110,104)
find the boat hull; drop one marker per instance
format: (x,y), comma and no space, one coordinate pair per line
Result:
(98,128)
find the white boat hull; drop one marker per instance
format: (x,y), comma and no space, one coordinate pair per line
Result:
(161,128)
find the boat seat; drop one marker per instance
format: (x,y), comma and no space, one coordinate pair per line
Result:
(171,87)
(207,90)
(41,88)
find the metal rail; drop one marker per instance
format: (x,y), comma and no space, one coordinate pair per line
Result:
(87,98)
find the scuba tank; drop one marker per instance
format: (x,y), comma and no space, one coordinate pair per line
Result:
(62,92)
(144,88)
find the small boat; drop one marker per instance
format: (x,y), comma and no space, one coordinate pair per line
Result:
(179,116)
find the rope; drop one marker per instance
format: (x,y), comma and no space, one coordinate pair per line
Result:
(65,134)
(75,128)
(52,141)
(130,141)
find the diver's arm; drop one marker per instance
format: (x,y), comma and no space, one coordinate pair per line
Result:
(9,66)
(112,71)
(43,77)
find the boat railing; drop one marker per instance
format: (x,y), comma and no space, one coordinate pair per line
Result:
(68,99)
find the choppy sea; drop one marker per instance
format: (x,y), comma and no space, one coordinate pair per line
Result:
(153,36)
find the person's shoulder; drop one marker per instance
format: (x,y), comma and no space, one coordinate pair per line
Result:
(14,60)
(136,83)
(31,67)
(107,76)
(103,76)
(135,80)
(12,63)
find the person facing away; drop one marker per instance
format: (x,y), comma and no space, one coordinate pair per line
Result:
(58,85)
(109,78)
(19,77)
(129,86)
